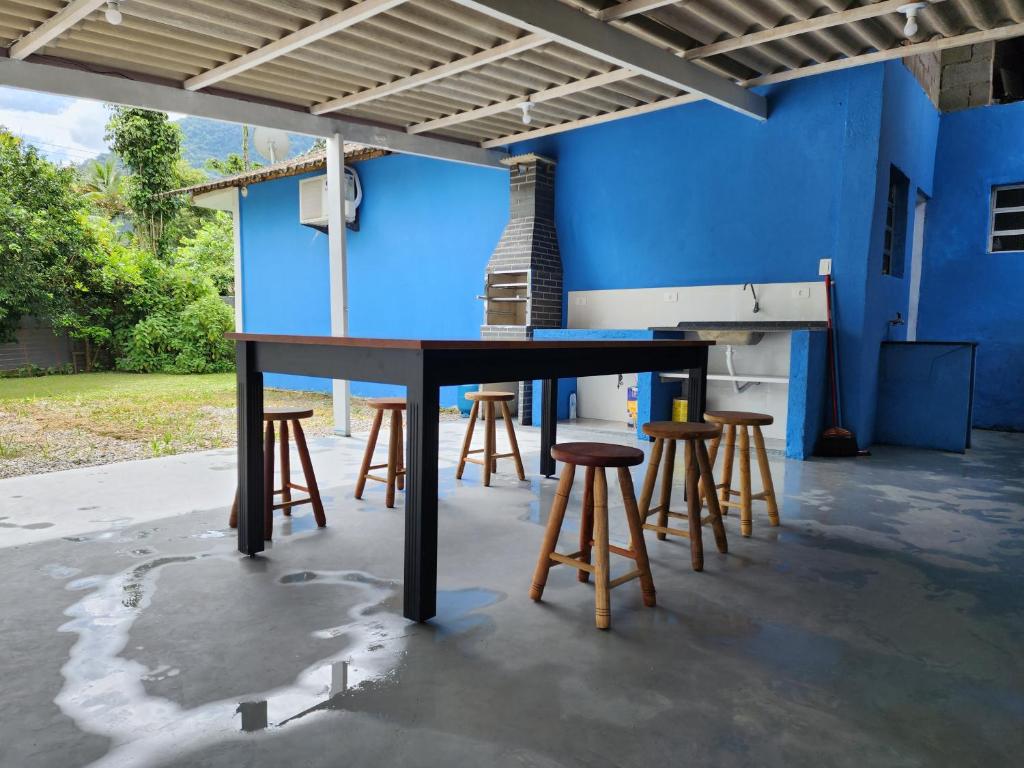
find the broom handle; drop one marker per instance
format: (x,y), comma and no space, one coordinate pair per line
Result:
(831,350)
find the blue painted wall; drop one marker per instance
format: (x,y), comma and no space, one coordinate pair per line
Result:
(415,266)
(966,292)
(700,195)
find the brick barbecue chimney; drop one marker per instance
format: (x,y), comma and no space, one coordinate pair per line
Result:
(523,280)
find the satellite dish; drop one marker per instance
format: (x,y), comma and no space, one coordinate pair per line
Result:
(271,143)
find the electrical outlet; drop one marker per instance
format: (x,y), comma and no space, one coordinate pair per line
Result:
(824,266)
(801,292)
(671,296)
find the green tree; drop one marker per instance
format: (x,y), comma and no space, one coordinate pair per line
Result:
(150,146)
(43,233)
(229,166)
(103,183)
(211,251)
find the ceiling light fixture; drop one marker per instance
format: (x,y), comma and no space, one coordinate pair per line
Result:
(910,10)
(113,12)
(527,107)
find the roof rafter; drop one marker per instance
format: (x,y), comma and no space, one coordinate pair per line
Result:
(302,37)
(56,25)
(930,46)
(797,28)
(472,61)
(632,8)
(595,38)
(123,88)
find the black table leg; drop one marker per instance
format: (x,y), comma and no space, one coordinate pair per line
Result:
(697,389)
(548,425)
(422,406)
(250,450)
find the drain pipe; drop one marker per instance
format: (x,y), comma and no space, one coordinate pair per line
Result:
(732,372)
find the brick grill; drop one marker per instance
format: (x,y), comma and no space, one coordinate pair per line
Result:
(528,245)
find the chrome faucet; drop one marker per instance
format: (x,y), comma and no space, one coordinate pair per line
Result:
(757,305)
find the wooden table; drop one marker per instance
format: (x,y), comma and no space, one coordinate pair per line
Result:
(423,367)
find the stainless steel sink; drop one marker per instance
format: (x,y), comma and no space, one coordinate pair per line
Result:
(734,338)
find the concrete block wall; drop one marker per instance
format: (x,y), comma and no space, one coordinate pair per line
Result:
(967,77)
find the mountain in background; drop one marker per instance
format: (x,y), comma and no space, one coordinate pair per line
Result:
(205,139)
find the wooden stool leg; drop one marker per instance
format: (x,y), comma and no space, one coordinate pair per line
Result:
(488,464)
(307,472)
(746,527)
(693,507)
(554,527)
(730,452)
(587,524)
(507,415)
(400,479)
(286,473)
(233,517)
(602,594)
(649,479)
(393,441)
(636,537)
(766,477)
(711,458)
(467,441)
(371,445)
(666,485)
(494,438)
(268,481)
(714,510)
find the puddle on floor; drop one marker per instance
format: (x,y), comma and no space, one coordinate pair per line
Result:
(105,693)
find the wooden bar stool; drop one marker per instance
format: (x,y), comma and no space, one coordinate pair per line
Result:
(697,465)
(594,524)
(285,417)
(396,449)
(730,420)
(489,462)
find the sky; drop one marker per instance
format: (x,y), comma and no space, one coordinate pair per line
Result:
(65,130)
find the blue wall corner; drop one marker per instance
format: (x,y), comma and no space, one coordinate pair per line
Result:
(967,293)
(808,392)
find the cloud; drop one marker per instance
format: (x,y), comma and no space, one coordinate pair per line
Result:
(64,129)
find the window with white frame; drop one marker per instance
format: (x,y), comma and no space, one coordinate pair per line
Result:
(1006,225)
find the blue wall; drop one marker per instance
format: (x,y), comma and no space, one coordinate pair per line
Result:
(415,266)
(966,292)
(700,195)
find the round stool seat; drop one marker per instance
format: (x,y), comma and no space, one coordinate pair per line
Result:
(597,455)
(387,403)
(286,414)
(490,397)
(682,430)
(739,418)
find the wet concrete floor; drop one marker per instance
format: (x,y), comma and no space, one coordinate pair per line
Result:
(880,625)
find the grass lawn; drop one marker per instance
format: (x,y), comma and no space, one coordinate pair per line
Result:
(51,423)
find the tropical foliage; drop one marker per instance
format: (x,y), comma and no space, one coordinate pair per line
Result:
(113,259)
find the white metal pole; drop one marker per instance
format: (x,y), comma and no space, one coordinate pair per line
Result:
(339,267)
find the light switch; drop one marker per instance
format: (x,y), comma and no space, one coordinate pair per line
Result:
(671,296)
(580,301)
(801,292)
(824,266)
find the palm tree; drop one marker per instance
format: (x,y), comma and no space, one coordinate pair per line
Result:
(103,184)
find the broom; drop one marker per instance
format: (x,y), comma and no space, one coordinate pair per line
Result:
(834,441)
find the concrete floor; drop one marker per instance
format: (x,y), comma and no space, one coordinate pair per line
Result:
(879,626)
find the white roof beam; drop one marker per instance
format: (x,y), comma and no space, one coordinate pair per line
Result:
(302,37)
(595,38)
(631,8)
(122,89)
(930,46)
(472,61)
(797,28)
(53,27)
(537,97)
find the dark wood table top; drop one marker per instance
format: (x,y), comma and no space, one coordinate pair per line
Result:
(459,344)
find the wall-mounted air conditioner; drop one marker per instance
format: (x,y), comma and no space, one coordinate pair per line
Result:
(313,200)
